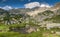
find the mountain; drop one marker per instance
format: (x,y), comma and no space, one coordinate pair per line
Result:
(54,19)
(44,15)
(7,7)
(57,5)
(42,9)
(19,11)
(38,13)
(2,11)
(34,11)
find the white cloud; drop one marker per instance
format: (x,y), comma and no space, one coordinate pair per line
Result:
(36,4)
(15,8)
(45,5)
(6,7)
(0,7)
(32,5)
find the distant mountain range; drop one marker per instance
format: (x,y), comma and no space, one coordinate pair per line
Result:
(39,14)
(34,11)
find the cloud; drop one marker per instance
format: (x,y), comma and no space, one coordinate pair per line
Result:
(45,5)
(0,7)
(15,8)
(36,4)
(32,5)
(6,7)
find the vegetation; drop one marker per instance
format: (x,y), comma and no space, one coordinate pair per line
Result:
(46,13)
(55,19)
(22,20)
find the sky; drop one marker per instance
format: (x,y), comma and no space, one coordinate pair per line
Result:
(26,3)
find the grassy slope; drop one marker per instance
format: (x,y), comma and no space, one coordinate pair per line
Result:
(16,34)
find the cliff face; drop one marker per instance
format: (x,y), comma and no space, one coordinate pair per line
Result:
(57,5)
(42,9)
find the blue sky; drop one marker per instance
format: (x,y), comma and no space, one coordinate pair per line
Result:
(20,3)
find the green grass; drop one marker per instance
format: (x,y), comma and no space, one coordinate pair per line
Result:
(4,28)
(17,34)
(9,34)
(34,34)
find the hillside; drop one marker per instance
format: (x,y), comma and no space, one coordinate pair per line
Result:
(35,22)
